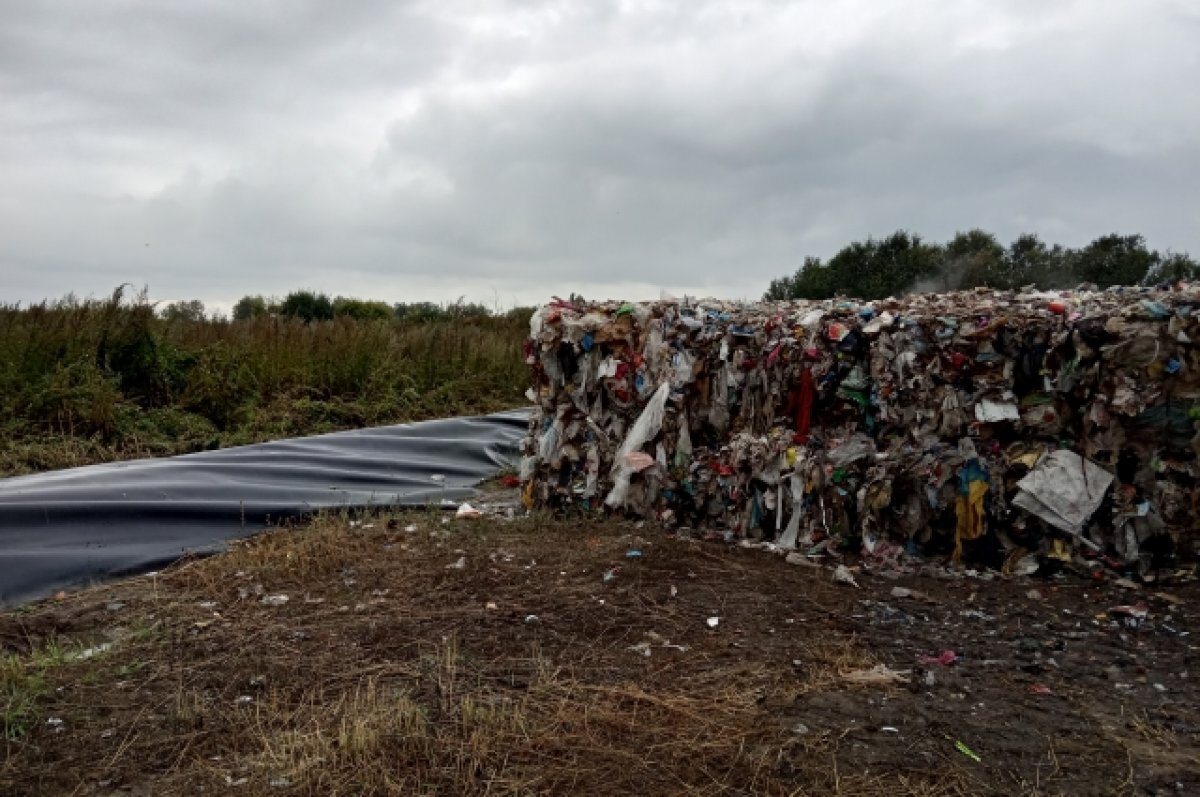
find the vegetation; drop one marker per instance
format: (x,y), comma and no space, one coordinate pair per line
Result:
(84,381)
(902,263)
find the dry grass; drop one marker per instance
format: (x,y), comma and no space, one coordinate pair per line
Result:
(386,672)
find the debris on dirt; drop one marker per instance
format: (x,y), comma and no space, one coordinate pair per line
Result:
(1138,612)
(713,622)
(842,575)
(458,564)
(945,658)
(95,650)
(1051,697)
(465,510)
(273,600)
(879,675)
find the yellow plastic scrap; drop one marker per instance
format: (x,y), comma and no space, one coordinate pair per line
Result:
(969,510)
(1060,550)
(527,495)
(1028,459)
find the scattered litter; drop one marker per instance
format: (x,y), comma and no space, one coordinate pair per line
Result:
(114,606)
(458,564)
(467,511)
(274,600)
(1026,566)
(91,652)
(842,575)
(1040,689)
(800,729)
(531,618)
(641,648)
(633,554)
(945,658)
(1138,612)
(713,622)
(879,675)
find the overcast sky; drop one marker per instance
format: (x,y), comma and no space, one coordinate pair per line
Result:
(507,151)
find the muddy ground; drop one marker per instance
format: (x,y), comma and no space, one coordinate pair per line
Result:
(414,654)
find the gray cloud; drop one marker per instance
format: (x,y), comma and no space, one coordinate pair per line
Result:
(508,151)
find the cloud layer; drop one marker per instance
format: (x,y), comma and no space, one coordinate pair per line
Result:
(506,151)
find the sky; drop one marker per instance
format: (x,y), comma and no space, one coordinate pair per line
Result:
(506,152)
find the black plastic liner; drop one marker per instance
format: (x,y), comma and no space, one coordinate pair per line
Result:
(68,528)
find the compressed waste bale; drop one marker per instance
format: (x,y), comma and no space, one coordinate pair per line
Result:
(932,422)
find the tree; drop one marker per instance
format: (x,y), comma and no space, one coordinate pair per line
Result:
(307,306)
(872,269)
(249,307)
(811,281)
(361,309)
(886,267)
(1175,266)
(191,310)
(976,259)
(1116,260)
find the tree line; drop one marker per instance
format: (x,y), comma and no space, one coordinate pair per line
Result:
(905,263)
(311,306)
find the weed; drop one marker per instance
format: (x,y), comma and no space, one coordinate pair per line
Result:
(91,381)
(23,683)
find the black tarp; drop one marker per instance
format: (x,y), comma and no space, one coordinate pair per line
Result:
(68,528)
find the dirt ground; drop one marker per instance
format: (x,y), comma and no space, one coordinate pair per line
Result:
(418,654)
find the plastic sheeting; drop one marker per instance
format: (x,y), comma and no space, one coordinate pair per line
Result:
(1064,490)
(67,528)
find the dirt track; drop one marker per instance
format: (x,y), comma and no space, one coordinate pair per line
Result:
(389,669)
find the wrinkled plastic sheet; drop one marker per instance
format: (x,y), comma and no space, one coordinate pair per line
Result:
(68,528)
(1064,490)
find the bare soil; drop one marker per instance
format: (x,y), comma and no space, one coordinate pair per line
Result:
(537,656)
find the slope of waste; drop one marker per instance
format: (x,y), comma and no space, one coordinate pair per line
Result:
(66,528)
(1011,429)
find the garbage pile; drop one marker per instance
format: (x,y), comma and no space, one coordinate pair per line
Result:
(987,425)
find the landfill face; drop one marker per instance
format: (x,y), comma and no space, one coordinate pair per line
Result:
(1019,430)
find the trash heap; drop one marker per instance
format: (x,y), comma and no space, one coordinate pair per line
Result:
(987,425)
